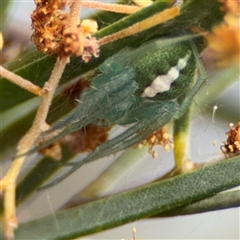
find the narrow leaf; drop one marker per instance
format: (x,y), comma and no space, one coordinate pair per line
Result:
(136,204)
(225,200)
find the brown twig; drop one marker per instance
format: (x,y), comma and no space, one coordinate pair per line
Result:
(21,82)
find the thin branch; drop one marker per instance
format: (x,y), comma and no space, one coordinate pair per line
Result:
(48,92)
(143,25)
(74,16)
(21,82)
(9,182)
(119,8)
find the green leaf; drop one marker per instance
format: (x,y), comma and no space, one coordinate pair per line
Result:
(136,204)
(225,200)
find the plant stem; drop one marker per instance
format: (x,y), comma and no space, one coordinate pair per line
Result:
(181,143)
(21,82)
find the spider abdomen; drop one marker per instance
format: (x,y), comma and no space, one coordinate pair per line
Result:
(161,75)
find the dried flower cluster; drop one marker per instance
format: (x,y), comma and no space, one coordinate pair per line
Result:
(48,23)
(53,35)
(232,145)
(53,151)
(83,140)
(159,137)
(79,41)
(224,40)
(86,139)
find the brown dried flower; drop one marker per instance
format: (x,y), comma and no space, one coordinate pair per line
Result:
(83,140)
(54,151)
(79,41)
(51,34)
(232,145)
(86,139)
(159,137)
(71,43)
(91,48)
(48,23)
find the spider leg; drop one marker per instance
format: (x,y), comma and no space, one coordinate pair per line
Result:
(164,112)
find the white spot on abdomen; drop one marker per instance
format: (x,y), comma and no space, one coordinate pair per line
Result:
(162,83)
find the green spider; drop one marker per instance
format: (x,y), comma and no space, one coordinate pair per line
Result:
(145,87)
